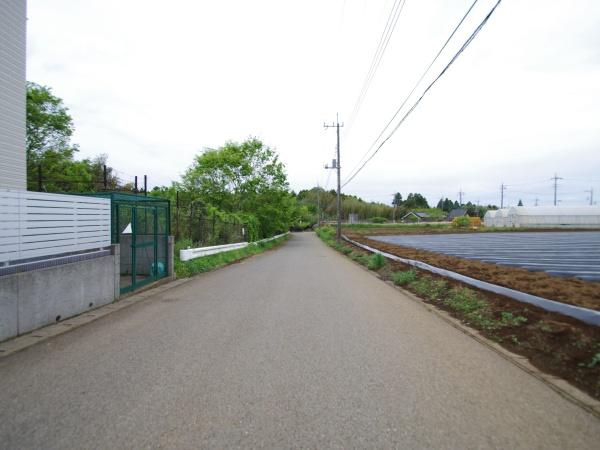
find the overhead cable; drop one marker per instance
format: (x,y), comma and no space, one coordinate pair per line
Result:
(384,40)
(454,58)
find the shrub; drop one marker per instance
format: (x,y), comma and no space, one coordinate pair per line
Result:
(461,222)
(404,278)
(378,220)
(475,222)
(376,261)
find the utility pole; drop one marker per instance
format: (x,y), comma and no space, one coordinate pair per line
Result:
(536,201)
(555,178)
(460,196)
(318,204)
(502,189)
(591,191)
(336,165)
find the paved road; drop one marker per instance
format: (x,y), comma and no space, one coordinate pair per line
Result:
(297,347)
(565,253)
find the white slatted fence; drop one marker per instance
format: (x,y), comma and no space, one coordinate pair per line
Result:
(37,224)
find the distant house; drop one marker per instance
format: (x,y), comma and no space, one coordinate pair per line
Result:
(414,216)
(458,212)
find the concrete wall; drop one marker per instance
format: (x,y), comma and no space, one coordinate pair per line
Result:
(12,93)
(32,299)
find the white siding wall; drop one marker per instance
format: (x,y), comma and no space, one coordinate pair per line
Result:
(12,94)
(37,224)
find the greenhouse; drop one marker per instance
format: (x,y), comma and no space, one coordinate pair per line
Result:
(489,218)
(545,216)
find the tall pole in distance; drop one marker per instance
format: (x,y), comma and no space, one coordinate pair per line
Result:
(555,178)
(502,189)
(338,167)
(460,195)
(318,204)
(591,191)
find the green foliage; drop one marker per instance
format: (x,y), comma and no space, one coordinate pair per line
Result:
(350,204)
(595,361)
(471,306)
(508,319)
(405,277)
(378,220)
(49,150)
(185,269)
(415,200)
(246,178)
(376,261)
(461,222)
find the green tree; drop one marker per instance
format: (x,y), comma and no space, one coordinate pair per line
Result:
(415,200)
(244,177)
(397,200)
(49,150)
(520,202)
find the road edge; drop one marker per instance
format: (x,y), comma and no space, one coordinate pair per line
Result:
(24,341)
(560,386)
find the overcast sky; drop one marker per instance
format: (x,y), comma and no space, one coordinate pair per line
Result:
(150,83)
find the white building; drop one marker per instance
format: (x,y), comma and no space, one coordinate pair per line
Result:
(12,94)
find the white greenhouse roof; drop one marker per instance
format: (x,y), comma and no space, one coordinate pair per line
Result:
(554,210)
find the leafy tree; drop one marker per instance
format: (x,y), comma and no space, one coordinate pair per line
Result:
(397,201)
(49,150)
(244,177)
(520,202)
(415,200)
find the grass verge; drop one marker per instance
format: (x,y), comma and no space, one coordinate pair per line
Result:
(185,269)
(555,344)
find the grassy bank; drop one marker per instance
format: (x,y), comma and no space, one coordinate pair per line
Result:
(555,344)
(185,269)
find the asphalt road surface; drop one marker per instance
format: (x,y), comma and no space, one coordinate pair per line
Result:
(566,253)
(294,348)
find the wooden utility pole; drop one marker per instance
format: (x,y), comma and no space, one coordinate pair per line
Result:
(336,165)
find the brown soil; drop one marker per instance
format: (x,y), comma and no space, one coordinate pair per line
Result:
(553,343)
(567,290)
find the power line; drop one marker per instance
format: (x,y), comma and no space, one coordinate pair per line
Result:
(384,40)
(417,83)
(454,58)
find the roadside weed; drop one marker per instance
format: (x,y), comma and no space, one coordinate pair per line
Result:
(376,261)
(595,361)
(508,319)
(405,277)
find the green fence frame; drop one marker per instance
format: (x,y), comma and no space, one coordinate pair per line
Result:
(160,209)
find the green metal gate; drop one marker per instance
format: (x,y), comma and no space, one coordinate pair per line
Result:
(140,225)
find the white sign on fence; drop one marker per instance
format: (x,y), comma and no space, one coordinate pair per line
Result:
(37,224)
